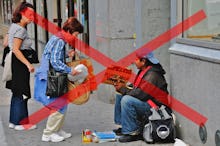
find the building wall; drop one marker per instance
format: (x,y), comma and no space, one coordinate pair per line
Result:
(112,27)
(195,81)
(155,21)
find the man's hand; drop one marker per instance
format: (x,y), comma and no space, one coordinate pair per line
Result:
(119,85)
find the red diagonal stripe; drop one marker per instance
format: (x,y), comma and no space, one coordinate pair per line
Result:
(155,43)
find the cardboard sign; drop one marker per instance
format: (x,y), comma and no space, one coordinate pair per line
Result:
(116,74)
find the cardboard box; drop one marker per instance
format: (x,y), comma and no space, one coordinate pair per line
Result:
(116,74)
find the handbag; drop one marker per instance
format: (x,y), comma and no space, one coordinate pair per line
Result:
(56,81)
(161,128)
(30,55)
(83,92)
(7,72)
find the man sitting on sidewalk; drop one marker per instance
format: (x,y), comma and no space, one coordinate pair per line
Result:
(131,103)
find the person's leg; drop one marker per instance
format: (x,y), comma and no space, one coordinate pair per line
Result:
(117,111)
(12,116)
(53,131)
(18,110)
(24,106)
(54,123)
(63,133)
(62,121)
(117,114)
(131,108)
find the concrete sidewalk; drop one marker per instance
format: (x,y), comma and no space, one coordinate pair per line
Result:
(94,115)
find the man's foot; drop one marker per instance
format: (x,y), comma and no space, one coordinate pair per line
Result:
(117,131)
(129,138)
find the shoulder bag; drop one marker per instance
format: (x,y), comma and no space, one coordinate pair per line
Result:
(56,82)
(7,72)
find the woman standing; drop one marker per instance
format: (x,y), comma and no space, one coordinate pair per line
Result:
(54,54)
(18,41)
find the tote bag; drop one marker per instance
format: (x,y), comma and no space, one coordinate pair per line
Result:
(56,83)
(7,72)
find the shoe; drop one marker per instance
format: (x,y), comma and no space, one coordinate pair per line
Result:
(11,125)
(128,138)
(25,127)
(64,134)
(117,131)
(53,138)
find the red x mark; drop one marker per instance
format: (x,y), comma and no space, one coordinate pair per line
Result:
(106,61)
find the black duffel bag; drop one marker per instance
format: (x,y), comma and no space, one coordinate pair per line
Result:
(160,128)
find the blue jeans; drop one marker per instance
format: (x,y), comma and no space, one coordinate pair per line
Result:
(117,112)
(127,111)
(18,110)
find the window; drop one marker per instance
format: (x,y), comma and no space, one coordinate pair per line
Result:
(81,12)
(7,11)
(84,20)
(208,29)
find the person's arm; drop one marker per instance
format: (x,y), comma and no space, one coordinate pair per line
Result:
(17,42)
(57,57)
(146,84)
(5,41)
(121,88)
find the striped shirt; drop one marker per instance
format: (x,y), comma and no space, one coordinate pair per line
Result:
(54,51)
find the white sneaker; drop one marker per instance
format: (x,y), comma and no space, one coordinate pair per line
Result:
(64,134)
(25,127)
(53,138)
(11,125)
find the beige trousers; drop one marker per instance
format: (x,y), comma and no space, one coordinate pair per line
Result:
(54,123)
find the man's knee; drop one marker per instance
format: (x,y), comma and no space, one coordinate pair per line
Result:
(127,101)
